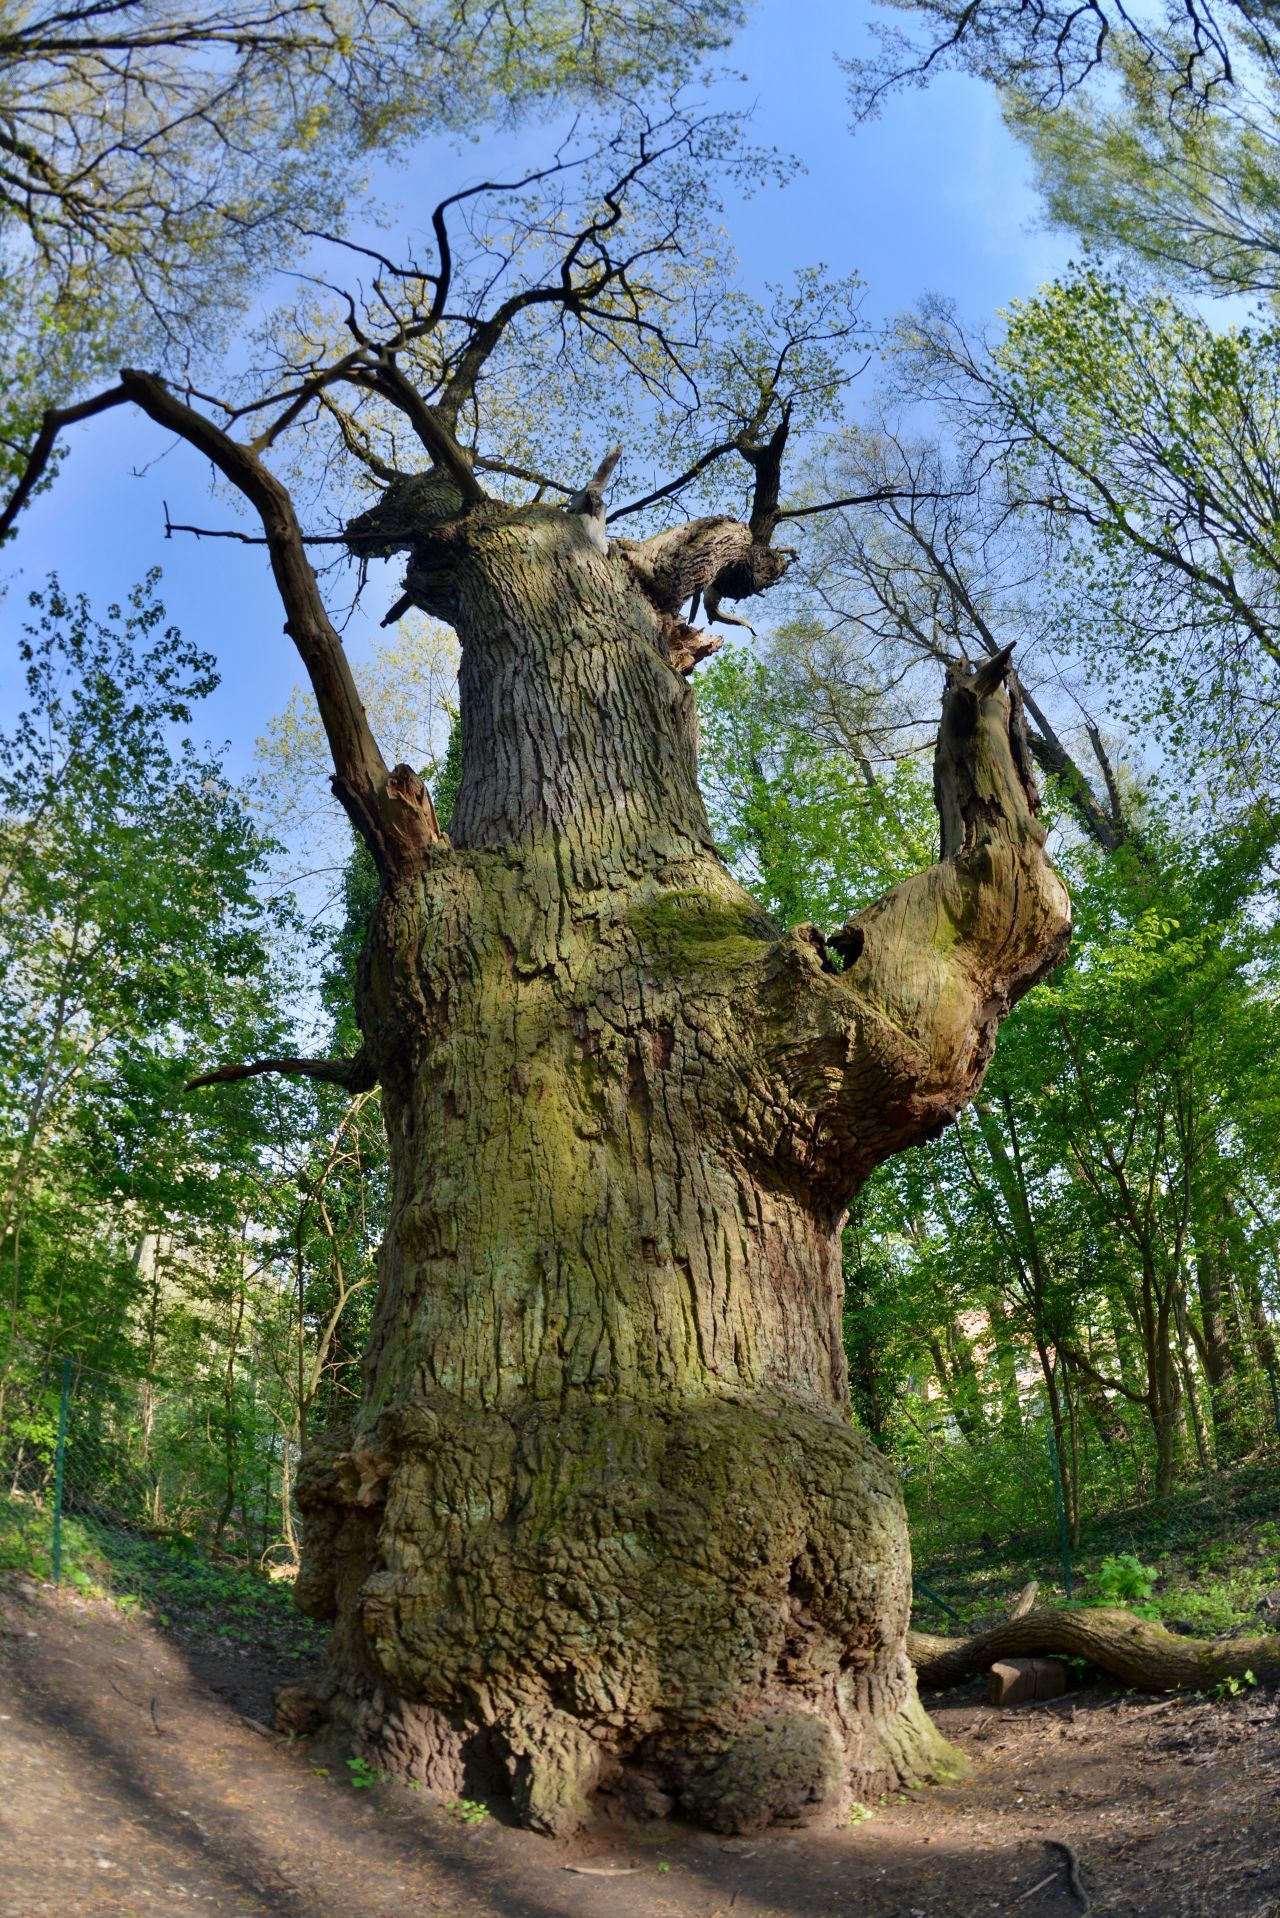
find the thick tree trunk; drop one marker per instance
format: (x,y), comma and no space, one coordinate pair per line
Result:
(602,1523)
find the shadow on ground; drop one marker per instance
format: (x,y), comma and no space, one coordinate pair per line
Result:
(139,1777)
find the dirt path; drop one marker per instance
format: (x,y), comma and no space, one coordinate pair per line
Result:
(134,1779)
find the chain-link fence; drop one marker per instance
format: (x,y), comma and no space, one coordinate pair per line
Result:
(1008,1486)
(97,1467)
(92,1463)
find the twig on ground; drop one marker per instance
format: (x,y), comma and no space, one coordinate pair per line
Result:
(1166,1704)
(1022,1897)
(602,1871)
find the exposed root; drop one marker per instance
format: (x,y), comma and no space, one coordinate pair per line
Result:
(1074,1885)
(1135,1650)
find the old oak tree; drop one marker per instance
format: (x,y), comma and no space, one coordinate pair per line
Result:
(603,1522)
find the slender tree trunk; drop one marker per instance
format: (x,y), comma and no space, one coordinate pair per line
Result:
(1048,1372)
(1186,1365)
(953,1362)
(229,1434)
(602,1523)
(1221,1369)
(1164,1405)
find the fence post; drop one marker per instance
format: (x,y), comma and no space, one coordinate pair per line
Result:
(920,1586)
(1275,1395)
(1062,1516)
(59,1458)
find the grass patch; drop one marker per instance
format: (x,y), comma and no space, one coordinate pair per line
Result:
(175,1580)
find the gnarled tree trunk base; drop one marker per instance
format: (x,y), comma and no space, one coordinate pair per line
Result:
(698,1606)
(1136,1650)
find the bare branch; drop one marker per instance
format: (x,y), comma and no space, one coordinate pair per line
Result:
(172,526)
(427,423)
(37,461)
(880,497)
(391,810)
(357,1074)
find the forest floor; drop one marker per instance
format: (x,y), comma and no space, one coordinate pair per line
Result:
(139,1775)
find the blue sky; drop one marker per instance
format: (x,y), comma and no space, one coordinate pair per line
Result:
(934,196)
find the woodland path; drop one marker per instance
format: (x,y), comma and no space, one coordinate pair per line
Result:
(102,1815)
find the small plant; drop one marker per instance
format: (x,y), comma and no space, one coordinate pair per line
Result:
(468,1811)
(363,1775)
(858,1814)
(1233,1687)
(1123,1579)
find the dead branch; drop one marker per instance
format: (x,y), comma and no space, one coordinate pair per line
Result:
(41,452)
(390,809)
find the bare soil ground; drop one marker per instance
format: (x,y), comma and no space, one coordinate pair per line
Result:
(138,1775)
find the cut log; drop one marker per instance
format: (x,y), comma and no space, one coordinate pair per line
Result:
(1135,1650)
(1016,1681)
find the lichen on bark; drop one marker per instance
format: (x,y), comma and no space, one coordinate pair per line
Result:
(602,1525)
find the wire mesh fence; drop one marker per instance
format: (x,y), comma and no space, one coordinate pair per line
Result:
(1008,1485)
(96,1464)
(91,1460)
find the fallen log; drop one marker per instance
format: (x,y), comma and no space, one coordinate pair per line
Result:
(1135,1650)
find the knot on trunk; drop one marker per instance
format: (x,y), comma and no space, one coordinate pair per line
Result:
(413,506)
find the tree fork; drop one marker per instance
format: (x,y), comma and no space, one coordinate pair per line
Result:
(602,1526)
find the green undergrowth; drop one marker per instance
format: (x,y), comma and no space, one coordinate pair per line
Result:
(172,1579)
(1203,1559)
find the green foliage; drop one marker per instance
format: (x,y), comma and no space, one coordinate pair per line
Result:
(468,1811)
(132,945)
(812,834)
(362,1775)
(1153,129)
(1136,441)
(449,777)
(222,1238)
(173,1579)
(1190,184)
(1123,1579)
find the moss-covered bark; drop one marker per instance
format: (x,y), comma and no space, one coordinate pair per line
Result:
(602,1523)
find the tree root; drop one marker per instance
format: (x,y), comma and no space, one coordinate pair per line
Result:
(1134,1650)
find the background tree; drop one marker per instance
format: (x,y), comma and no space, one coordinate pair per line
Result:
(1155,131)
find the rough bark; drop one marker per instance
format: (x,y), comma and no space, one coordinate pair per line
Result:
(1136,1650)
(602,1523)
